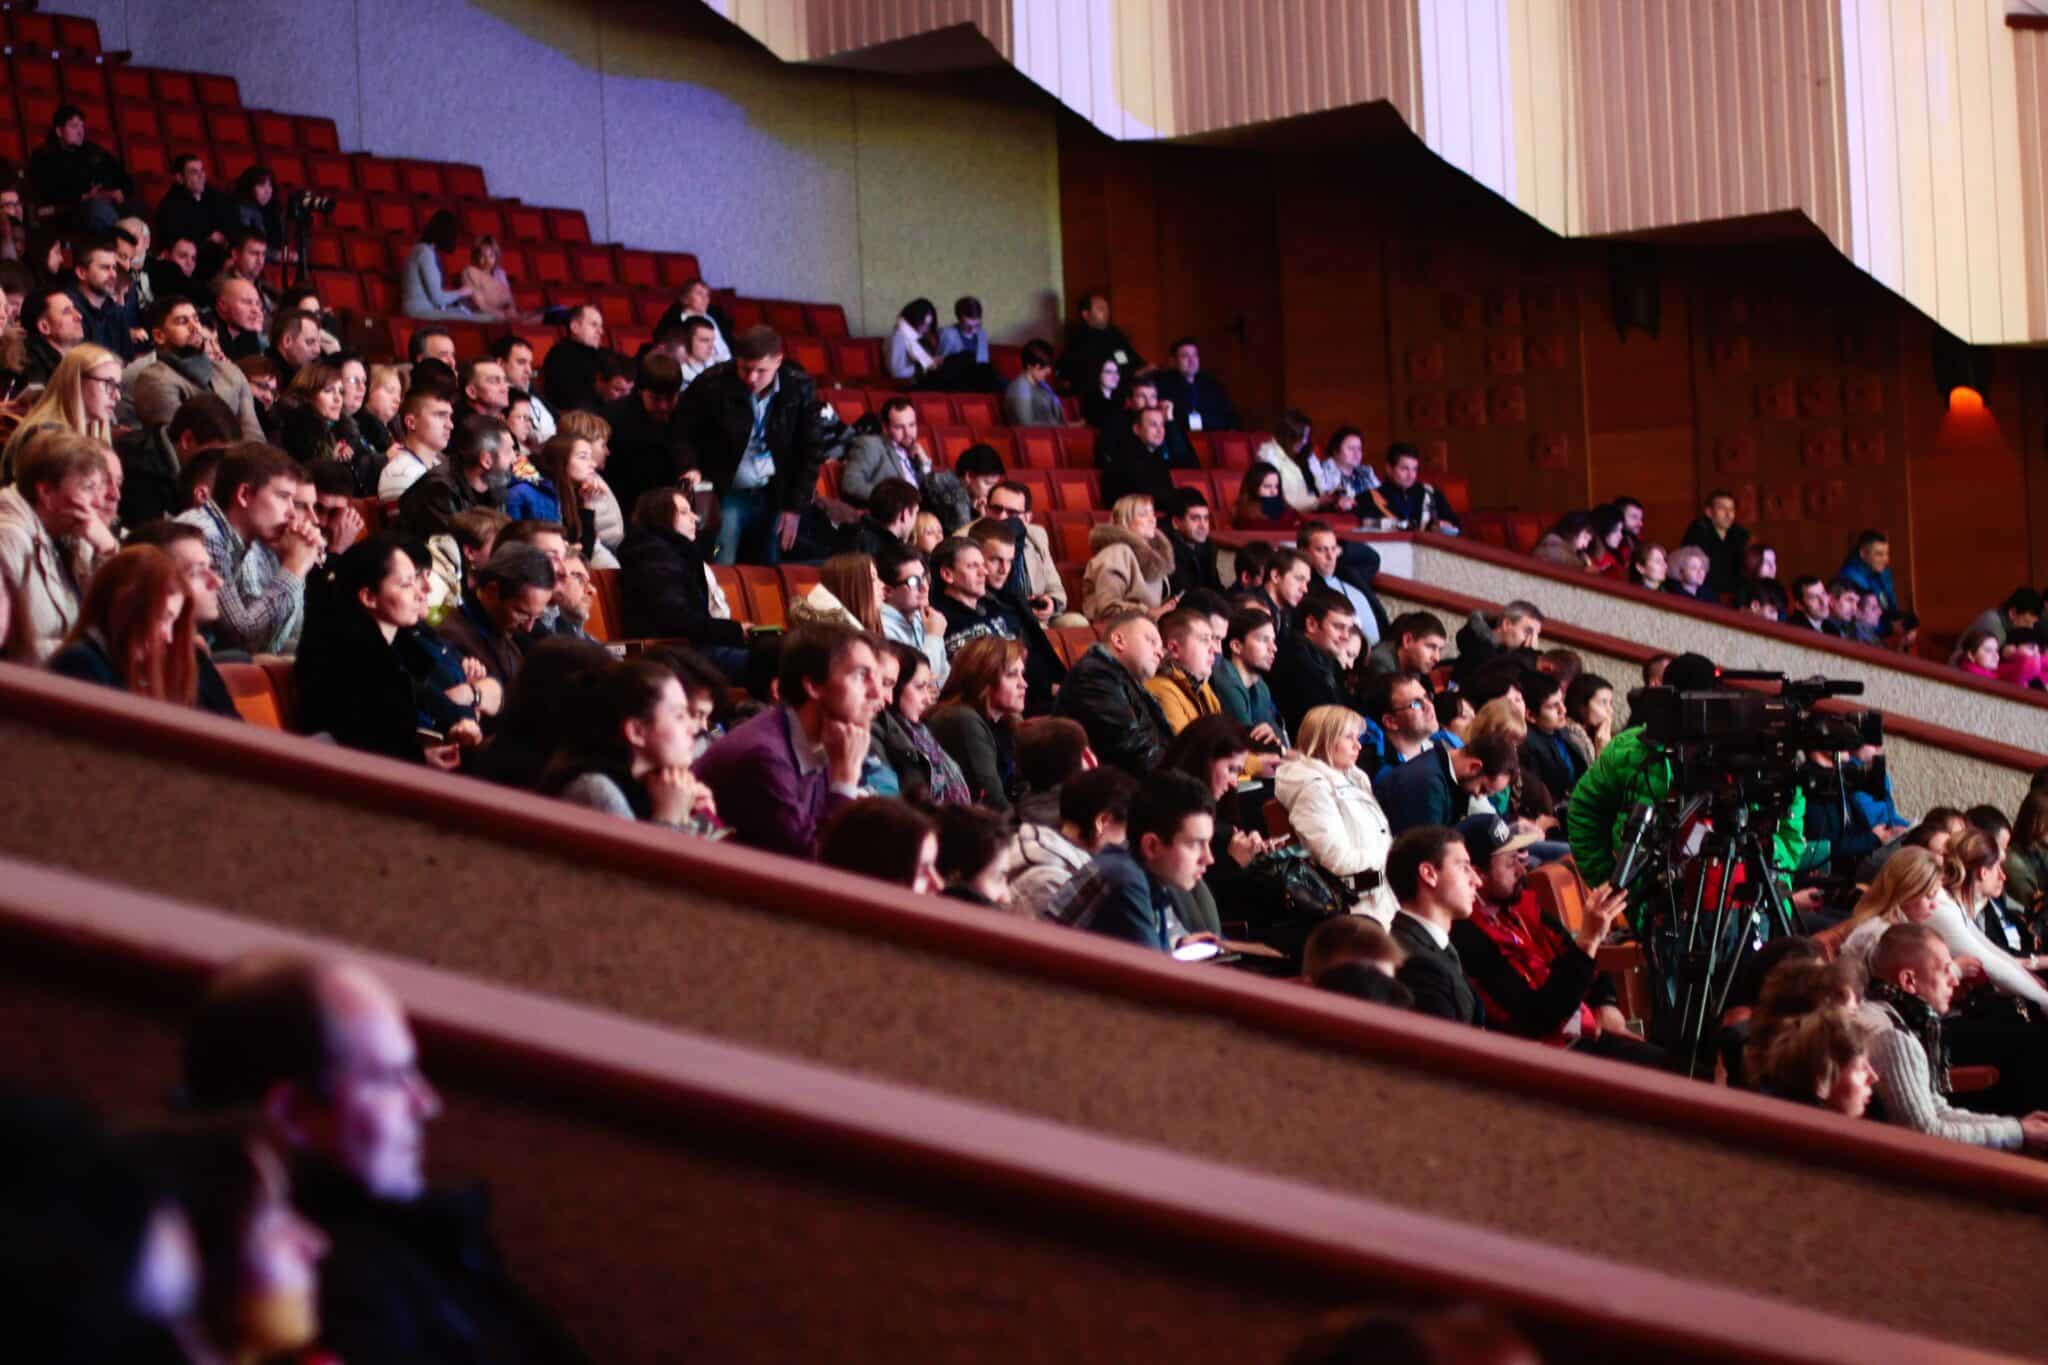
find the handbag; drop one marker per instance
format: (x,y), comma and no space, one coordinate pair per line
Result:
(1288,896)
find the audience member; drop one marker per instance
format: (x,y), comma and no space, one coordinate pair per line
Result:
(914,757)
(1125,890)
(1403,498)
(1041,586)
(324,1053)
(1402,719)
(1430,872)
(426,422)
(80,399)
(887,839)
(1239,679)
(1649,567)
(1029,401)
(186,547)
(2026,861)
(1868,570)
(1441,785)
(1092,814)
(490,289)
(1912,984)
(1306,672)
(1129,561)
(182,367)
(976,717)
(896,452)
(755,430)
(509,593)
(907,614)
(476,473)
(665,584)
(1484,641)
(1093,341)
(1106,692)
(1139,458)
(51,328)
(1181,683)
(1821,1059)
(1194,553)
(1691,573)
(1200,403)
(136,629)
(106,316)
(262,596)
(974,855)
(628,750)
(1714,531)
(569,376)
(515,353)
(75,180)
(1332,810)
(907,353)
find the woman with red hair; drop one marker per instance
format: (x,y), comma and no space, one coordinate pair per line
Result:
(135,629)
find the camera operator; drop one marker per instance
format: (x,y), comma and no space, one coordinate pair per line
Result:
(1849,809)
(1631,769)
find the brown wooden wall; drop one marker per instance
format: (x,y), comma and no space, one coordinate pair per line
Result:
(1379,287)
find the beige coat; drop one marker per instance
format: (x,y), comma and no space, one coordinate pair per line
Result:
(1040,572)
(1124,572)
(1340,823)
(47,575)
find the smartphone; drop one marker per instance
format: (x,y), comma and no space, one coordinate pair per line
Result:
(427,736)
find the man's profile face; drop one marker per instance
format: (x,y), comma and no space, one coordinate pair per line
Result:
(703,345)
(853,687)
(1520,633)
(1632,520)
(968,578)
(1845,606)
(587,326)
(1404,471)
(239,305)
(998,558)
(300,345)
(10,204)
(431,424)
(1878,555)
(441,348)
(908,593)
(1813,599)
(373,1124)
(1507,875)
(62,324)
(1420,654)
(1289,588)
(1181,860)
(1329,632)
(518,367)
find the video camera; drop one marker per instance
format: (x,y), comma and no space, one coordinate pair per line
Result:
(1752,728)
(307,204)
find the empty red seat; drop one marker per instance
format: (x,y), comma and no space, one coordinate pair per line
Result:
(1233,449)
(628,341)
(465,182)
(175,87)
(856,358)
(391,214)
(325,250)
(648,306)
(376,175)
(230,128)
(1038,484)
(568,226)
(550,265)
(1007,361)
(786,318)
(340,290)
(38,74)
(14,146)
(639,269)
(137,121)
(949,442)
(331,171)
(366,254)
(230,162)
(380,294)
(482,220)
(678,268)
(83,82)
(184,128)
(28,29)
(1075,490)
(421,179)
(78,35)
(144,157)
(935,410)
(746,313)
(316,134)
(1038,448)
(514,261)
(287,168)
(131,83)
(274,131)
(825,319)
(808,352)
(592,265)
(617,306)
(218,92)
(1077,446)
(977,409)
(351,211)
(526,224)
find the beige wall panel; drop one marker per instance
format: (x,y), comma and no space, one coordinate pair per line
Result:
(2030,105)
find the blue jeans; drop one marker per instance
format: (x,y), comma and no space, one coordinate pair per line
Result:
(747,520)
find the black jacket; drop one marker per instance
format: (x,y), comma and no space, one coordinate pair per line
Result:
(61,175)
(1194,566)
(994,616)
(1205,396)
(1125,726)
(1529,1011)
(353,685)
(1127,466)
(569,376)
(715,420)
(178,214)
(422,1283)
(662,592)
(645,453)
(1724,555)
(863,536)
(674,318)
(1085,350)
(433,500)
(1303,678)
(1435,976)
(87,661)
(149,477)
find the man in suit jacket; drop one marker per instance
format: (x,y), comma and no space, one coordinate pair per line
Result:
(1306,673)
(896,453)
(1430,872)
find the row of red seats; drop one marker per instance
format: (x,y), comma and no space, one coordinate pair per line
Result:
(30,31)
(82,81)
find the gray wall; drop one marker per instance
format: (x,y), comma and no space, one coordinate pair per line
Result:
(669,132)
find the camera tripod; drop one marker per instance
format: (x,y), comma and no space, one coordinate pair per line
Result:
(1700,950)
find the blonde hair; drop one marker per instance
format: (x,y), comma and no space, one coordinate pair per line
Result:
(586,426)
(1498,717)
(379,376)
(63,400)
(1811,1053)
(1907,875)
(1322,727)
(1125,510)
(925,524)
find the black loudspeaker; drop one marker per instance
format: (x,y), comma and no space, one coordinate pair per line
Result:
(1635,280)
(1957,364)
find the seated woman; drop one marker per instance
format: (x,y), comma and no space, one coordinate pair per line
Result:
(383,391)
(1689,568)
(1568,544)
(1290,451)
(362,673)
(365,446)
(1332,809)
(974,855)
(309,415)
(1904,892)
(1129,562)
(1341,477)
(912,341)
(1978,653)
(2026,858)
(560,491)
(665,582)
(423,293)
(136,629)
(1589,716)
(80,397)
(490,291)
(1102,406)
(1606,554)
(629,751)
(922,767)
(1821,1059)
(848,593)
(256,208)
(52,536)
(887,839)
(603,503)
(1260,504)
(1649,567)
(976,718)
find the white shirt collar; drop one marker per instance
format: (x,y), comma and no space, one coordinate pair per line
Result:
(1439,936)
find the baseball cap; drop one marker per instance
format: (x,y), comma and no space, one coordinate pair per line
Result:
(1486,835)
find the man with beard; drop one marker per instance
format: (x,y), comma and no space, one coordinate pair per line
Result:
(475,473)
(186,364)
(1536,978)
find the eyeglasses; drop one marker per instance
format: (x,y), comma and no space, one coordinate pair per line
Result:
(1415,705)
(915,580)
(997,512)
(112,385)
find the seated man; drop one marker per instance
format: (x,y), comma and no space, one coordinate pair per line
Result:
(1306,672)
(1029,401)
(510,592)
(1105,691)
(1318,544)
(1188,527)
(1040,587)
(174,271)
(1283,582)
(897,452)
(238,318)
(105,315)
(1516,636)
(321,1051)
(972,610)
(475,473)
(1537,979)
(779,776)
(1845,605)
(887,520)
(1198,401)
(569,375)
(1401,717)
(1811,609)
(1912,984)
(1142,458)
(965,336)
(184,367)
(1430,873)
(1546,752)
(1091,812)
(907,614)
(1181,685)
(1125,891)
(262,597)
(51,326)
(1438,787)
(426,422)
(1414,643)
(154,460)
(485,388)
(77,183)
(294,342)
(1403,497)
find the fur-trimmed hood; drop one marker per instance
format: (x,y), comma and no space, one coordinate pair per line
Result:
(1155,556)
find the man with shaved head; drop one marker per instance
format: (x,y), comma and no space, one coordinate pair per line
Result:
(322,1053)
(238,308)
